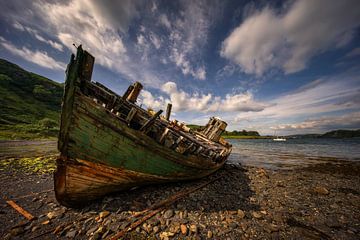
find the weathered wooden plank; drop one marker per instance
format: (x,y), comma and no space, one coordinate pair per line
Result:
(22,211)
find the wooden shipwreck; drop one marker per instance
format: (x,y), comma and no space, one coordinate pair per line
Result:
(107,143)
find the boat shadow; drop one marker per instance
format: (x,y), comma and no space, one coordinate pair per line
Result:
(228,190)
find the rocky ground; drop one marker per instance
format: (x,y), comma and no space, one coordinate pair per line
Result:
(321,201)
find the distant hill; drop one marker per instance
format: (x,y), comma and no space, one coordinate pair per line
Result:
(29,103)
(342,134)
(242,133)
(310,135)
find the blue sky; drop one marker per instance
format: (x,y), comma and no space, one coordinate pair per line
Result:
(285,66)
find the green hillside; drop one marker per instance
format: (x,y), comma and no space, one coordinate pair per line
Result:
(342,134)
(30,103)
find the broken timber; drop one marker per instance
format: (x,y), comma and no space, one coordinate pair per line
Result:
(22,211)
(108,143)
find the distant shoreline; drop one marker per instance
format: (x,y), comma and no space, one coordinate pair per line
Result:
(246,137)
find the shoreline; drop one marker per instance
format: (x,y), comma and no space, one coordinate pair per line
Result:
(317,201)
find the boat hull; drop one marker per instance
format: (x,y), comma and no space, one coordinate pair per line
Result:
(79,181)
(102,152)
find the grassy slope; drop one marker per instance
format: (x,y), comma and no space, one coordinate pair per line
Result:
(25,99)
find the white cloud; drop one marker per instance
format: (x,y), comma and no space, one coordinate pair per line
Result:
(155,40)
(164,20)
(37,35)
(204,103)
(350,120)
(189,34)
(323,97)
(148,99)
(36,57)
(181,61)
(97,26)
(287,40)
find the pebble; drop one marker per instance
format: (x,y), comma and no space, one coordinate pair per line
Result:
(183,229)
(104,214)
(168,214)
(241,213)
(33,229)
(193,228)
(256,215)
(156,229)
(71,234)
(321,190)
(166,235)
(54,214)
(16,231)
(209,234)
(46,222)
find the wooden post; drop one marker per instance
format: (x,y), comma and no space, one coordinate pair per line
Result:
(168,111)
(131,115)
(150,122)
(135,92)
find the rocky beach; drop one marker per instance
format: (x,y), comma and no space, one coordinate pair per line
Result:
(318,201)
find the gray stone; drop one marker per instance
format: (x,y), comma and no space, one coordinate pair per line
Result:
(168,214)
(71,234)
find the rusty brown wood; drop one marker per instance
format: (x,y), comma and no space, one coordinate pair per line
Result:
(136,224)
(22,211)
(150,122)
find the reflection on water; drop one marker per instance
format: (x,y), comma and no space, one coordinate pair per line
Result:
(294,152)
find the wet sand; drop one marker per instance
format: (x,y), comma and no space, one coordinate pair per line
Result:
(320,201)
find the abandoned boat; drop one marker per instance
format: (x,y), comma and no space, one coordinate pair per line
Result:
(107,143)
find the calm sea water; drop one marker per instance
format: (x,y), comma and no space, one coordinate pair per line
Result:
(294,152)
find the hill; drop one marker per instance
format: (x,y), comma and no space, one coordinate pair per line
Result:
(342,134)
(30,103)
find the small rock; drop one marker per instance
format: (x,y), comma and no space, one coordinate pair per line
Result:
(168,214)
(321,190)
(209,234)
(193,228)
(156,229)
(16,231)
(71,234)
(57,229)
(54,214)
(104,214)
(91,230)
(233,225)
(183,229)
(272,228)
(256,215)
(166,235)
(35,228)
(241,213)
(46,222)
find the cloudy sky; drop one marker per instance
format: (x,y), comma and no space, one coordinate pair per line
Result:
(289,66)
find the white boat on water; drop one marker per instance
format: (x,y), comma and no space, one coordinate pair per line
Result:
(279,139)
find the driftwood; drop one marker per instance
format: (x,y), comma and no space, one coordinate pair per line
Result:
(158,207)
(22,211)
(136,224)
